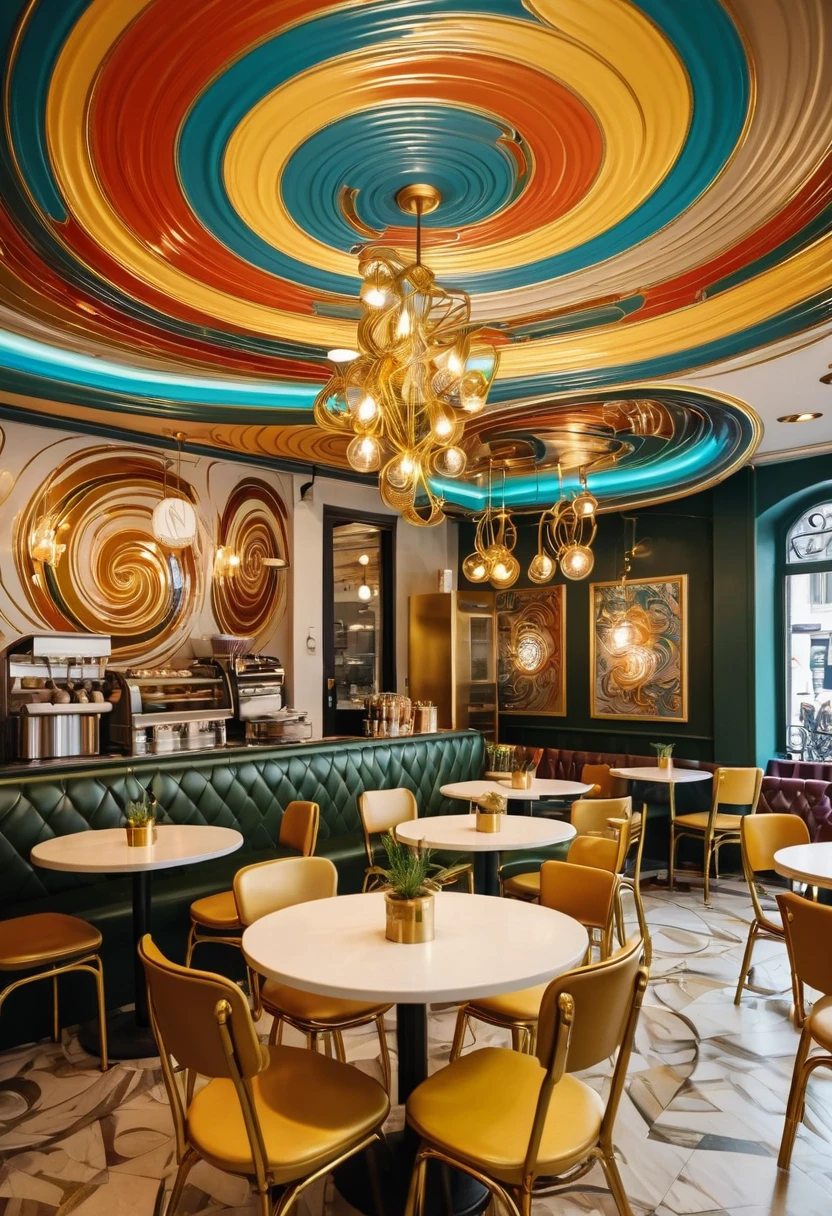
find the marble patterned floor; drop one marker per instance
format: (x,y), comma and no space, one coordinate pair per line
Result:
(697,1133)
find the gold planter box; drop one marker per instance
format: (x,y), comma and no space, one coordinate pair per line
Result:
(409,921)
(488,821)
(141,838)
(522,780)
(665,761)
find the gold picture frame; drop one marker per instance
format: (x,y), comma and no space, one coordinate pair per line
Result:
(638,633)
(531,625)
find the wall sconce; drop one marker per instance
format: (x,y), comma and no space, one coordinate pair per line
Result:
(276,563)
(43,542)
(226,563)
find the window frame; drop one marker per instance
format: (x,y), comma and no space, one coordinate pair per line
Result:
(787,569)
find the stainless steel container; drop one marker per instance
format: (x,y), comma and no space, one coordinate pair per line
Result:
(48,736)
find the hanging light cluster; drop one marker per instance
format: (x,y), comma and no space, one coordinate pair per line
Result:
(564,537)
(419,372)
(493,558)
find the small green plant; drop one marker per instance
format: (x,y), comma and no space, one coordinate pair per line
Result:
(140,812)
(663,750)
(409,872)
(500,757)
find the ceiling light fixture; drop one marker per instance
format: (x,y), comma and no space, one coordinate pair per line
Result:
(174,520)
(493,558)
(420,370)
(807,417)
(564,537)
(365,593)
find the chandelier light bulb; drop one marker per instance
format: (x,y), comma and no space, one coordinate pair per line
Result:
(403,327)
(541,568)
(577,561)
(622,636)
(364,559)
(455,364)
(585,504)
(364,453)
(341,354)
(451,462)
(364,593)
(401,472)
(475,568)
(442,427)
(374,296)
(367,410)
(505,570)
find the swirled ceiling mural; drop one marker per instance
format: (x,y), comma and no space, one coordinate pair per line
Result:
(633,189)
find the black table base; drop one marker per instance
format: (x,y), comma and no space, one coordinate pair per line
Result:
(487,873)
(449,1191)
(126,1040)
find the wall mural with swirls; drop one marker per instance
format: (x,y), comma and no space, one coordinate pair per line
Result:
(112,575)
(639,650)
(531,645)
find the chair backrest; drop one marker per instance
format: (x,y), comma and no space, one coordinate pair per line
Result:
(808,929)
(738,787)
(299,827)
(599,851)
(586,1016)
(268,886)
(604,784)
(763,835)
(583,892)
(382,810)
(591,816)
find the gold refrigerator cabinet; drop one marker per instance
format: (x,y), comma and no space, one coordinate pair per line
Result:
(453,658)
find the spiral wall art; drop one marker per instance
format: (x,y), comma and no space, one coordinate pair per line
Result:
(639,650)
(531,648)
(252,527)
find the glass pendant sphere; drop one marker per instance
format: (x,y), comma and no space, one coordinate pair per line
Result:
(585,505)
(541,568)
(174,523)
(475,568)
(366,411)
(505,570)
(577,561)
(401,473)
(622,636)
(364,593)
(364,453)
(450,462)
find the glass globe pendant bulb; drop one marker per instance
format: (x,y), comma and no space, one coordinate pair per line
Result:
(577,561)
(364,453)
(622,635)
(366,410)
(401,472)
(585,504)
(451,462)
(505,570)
(364,593)
(541,568)
(475,568)
(442,427)
(174,523)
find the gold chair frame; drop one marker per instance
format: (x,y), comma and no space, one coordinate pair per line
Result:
(92,965)
(374,881)
(712,838)
(518,1200)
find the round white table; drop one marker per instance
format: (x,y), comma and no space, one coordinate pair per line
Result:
(458,834)
(809,863)
(337,947)
(519,801)
(672,776)
(107,852)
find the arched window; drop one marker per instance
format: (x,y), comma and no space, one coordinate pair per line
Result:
(808,604)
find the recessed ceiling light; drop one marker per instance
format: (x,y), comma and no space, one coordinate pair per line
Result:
(799,417)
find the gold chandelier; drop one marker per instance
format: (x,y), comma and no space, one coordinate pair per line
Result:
(420,370)
(493,558)
(564,537)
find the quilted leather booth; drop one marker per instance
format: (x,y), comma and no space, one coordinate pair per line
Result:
(244,789)
(796,796)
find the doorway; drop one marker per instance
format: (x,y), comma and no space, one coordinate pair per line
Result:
(359,616)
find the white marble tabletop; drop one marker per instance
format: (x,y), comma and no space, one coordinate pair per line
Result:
(458,833)
(107,851)
(811,863)
(666,776)
(337,947)
(471,790)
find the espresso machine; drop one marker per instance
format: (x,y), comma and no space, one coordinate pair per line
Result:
(258,689)
(157,710)
(53,696)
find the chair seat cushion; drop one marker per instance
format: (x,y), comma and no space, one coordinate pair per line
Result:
(311,1109)
(480,1108)
(698,821)
(820,1022)
(523,886)
(44,938)
(216,911)
(521,1006)
(281,999)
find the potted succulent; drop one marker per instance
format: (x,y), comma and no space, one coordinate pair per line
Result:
(411,880)
(140,819)
(664,754)
(491,807)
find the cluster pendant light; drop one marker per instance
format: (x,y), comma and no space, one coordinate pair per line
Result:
(493,558)
(564,537)
(419,372)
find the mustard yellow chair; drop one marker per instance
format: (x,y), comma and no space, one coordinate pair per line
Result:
(808,930)
(586,893)
(268,886)
(760,837)
(50,944)
(382,811)
(508,1119)
(716,827)
(604,785)
(215,917)
(281,1116)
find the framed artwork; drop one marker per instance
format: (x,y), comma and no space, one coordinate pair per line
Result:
(531,645)
(639,649)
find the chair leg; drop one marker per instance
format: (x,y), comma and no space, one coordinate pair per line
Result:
(459,1031)
(372,1155)
(709,847)
(416,1193)
(671,864)
(385,1052)
(613,1177)
(619,917)
(525,1203)
(56,1012)
(189,952)
(470,878)
(190,1158)
(276,1032)
(338,1043)
(103,1061)
(516,1038)
(794,1106)
(746,961)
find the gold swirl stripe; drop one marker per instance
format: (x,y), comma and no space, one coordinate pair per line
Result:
(253,527)
(644,117)
(113,578)
(71,88)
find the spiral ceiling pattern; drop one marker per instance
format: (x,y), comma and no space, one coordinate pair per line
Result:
(113,578)
(631,189)
(252,527)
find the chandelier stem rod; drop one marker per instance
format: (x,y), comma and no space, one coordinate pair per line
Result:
(418,232)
